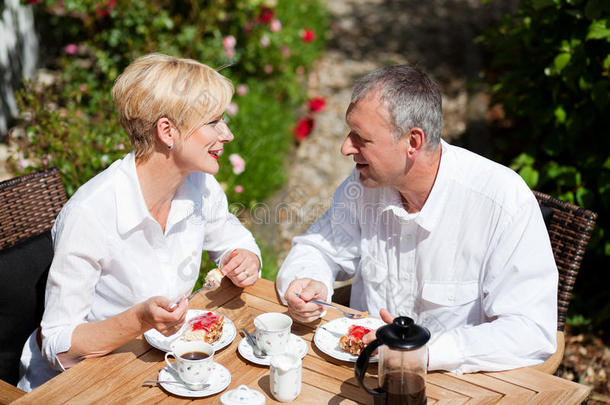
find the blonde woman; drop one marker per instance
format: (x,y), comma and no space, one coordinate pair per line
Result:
(129,242)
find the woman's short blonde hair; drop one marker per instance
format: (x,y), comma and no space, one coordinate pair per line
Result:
(154,86)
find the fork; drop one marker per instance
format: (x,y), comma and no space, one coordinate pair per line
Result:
(190,297)
(346,314)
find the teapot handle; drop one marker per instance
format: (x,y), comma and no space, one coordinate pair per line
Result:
(362,365)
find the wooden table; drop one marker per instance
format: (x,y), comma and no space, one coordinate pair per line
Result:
(117,377)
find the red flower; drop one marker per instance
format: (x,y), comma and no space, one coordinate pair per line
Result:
(31,1)
(308,35)
(103,9)
(303,128)
(266,16)
(316,104)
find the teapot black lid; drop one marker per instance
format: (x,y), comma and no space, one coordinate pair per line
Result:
(403,334)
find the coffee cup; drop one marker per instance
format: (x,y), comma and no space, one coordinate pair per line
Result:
(194,362)
(272,332)
(285,374)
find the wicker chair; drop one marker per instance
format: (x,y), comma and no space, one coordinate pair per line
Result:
(570,229)
(29,205)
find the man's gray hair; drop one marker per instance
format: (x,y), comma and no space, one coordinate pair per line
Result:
(412,100)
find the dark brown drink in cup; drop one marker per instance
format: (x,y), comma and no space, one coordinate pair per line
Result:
(195,356)
(404,389)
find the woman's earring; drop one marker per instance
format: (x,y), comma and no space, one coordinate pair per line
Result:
(170,146)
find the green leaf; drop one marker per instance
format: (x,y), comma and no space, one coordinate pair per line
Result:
(607,164)
(561,61)
(606,63)
(522,160)
(560,115)
(598,30)
(530,175)
(584,197)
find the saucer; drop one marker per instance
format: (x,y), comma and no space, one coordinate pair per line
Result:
(219,380)
(295,345)
(158,341)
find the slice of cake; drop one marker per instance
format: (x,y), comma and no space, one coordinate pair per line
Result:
(352,341)
(213,279)
(206,327)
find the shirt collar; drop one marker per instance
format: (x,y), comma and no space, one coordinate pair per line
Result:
(432,209)
(185,203)
(131,207)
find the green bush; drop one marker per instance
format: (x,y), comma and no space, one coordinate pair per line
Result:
(266,48)
(73,125)
(549,69)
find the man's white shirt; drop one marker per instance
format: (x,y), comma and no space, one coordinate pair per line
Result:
(474,266)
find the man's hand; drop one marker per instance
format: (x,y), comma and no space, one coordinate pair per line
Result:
(155,313)
(300,308)
(241,266)
(387,317)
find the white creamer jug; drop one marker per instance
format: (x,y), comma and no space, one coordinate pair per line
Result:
(285,376)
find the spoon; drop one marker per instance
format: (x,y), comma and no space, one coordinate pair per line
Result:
(252,340)
(199,387)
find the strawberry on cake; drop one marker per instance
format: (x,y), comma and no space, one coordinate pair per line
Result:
(352,341)
(206,327)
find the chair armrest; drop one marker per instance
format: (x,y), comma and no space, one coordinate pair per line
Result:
(9,393)
(552,363)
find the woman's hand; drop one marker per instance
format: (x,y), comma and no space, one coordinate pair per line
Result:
(241,266)
(155,313)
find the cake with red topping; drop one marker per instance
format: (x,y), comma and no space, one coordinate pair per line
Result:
(206,327)
(352,341)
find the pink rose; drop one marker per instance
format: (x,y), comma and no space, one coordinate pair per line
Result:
(265,41)
(232,109)
(276,25)
(238,163)
(285,51)
(242,89)
(229,52)
(268,69)
(229,42)
(71,49)
(239,189)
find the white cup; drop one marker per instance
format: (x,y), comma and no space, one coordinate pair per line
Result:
(272,332)
(196,372)
(285,376)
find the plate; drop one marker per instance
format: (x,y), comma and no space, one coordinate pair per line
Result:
(295,345)
(219,380)
(158,341)
(327,336)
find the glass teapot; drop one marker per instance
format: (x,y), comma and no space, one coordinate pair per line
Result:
(403,362)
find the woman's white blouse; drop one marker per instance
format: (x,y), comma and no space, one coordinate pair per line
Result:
(110,253)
